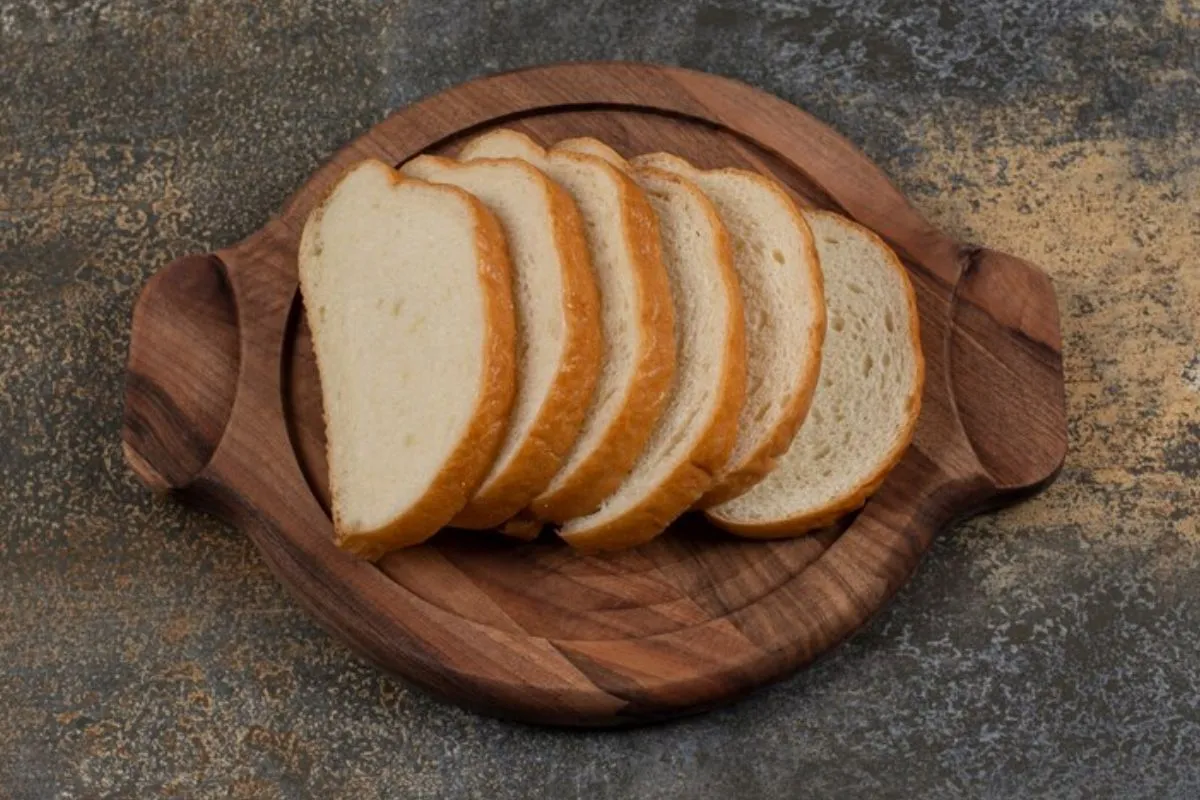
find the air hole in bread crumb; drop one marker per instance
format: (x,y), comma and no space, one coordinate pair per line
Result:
(824,451)
(868,364)
(887,359)
(826,381)
(777,255)
(888,322)
(816,415)
(321,313)
(846,437)
(837,323)
(854,287)
(831,240)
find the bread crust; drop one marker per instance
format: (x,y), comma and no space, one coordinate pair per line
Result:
(694,473)
(560,417)
(472,457)
(855,498)
(586,145)
(737,478)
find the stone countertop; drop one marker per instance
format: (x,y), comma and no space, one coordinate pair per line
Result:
(1050,650)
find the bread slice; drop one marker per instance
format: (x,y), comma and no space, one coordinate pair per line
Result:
(407,290)
(637,320)
(558,342)
(777,268)
(697,431)
(868,400)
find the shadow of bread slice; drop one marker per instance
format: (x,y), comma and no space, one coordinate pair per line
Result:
(777,268)
(867,402)
(410,437)
(637,321)
(558,329)
(696,432)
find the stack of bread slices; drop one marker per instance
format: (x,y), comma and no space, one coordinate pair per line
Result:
(526,338)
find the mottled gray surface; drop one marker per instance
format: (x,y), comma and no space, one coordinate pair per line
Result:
(1052,650)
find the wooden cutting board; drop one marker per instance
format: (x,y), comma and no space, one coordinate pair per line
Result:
(223,407)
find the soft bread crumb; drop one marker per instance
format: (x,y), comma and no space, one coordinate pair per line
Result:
(406,284)
(868,399)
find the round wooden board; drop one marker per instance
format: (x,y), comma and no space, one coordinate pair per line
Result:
(223,406)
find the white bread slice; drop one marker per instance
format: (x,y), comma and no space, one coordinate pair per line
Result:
(407,290)
(558,328)
(637,320)
(698,429)
(780,276)
(868,400)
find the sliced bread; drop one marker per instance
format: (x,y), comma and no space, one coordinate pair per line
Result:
(696,432)
(868,400)
(558,328)
(407,291)
(777,267)
(637,320)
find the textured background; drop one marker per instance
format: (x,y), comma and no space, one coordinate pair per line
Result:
(1052,650)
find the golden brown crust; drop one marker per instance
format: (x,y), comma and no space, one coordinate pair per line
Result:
(559,420)
(470,461)
(441,162)
(523,527)
(613,456)
(586,145)
(737,478)
(693,475)
(856,497)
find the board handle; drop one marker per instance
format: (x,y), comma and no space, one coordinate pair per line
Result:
(1015,382)
(203,370)
(184,358)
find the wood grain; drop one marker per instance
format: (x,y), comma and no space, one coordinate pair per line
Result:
(223,405)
